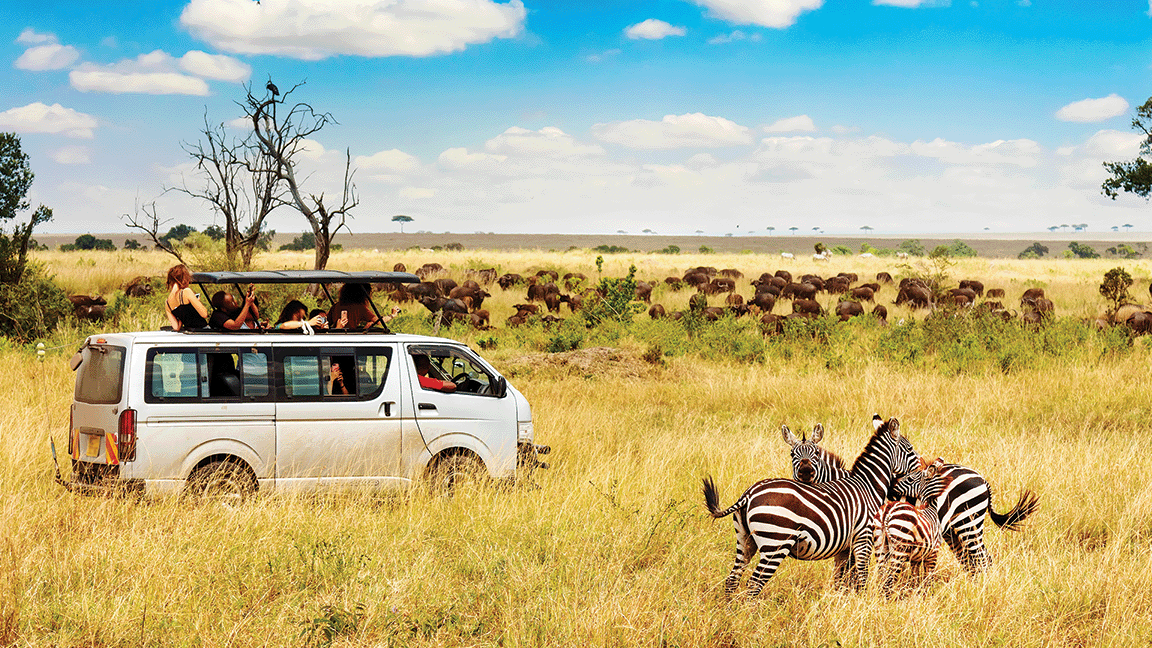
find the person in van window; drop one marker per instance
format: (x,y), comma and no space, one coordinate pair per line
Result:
(354,308)
(338,385)
(231,316)
(183,306)
(223,378)
(295,313)
(423,368)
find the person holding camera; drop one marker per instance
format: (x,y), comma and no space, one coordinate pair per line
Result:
(295,314)
(230,316)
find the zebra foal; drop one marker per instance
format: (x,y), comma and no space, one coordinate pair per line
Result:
(905,533)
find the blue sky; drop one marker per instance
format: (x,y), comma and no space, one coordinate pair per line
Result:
(726,116)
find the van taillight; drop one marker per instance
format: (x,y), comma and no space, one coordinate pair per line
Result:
(126,436)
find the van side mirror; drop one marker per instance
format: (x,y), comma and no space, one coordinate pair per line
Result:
(501,387)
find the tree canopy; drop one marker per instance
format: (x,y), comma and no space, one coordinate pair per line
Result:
(15,179)
(1133,176)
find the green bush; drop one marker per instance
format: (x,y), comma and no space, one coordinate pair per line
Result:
(610,249)
(614,301)
(88,242)
(1034,251)
(33,307)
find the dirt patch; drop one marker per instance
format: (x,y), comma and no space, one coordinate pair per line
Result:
(594,362)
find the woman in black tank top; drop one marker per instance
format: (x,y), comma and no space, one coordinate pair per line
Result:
(182,306)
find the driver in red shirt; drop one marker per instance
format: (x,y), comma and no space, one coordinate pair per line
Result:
(423,367)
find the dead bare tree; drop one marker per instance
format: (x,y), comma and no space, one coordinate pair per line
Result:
(146,219)
(279,140)
(240,185)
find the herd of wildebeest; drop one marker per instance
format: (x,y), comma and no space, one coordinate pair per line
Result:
(547,292)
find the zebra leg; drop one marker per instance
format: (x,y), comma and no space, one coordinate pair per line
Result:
(745,549)
(861,554)
(842,563)
(966,538)
(770,559)
(897,561)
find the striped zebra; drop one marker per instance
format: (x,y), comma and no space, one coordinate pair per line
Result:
(962,506)
(906,533)
(782,517)
(812,464)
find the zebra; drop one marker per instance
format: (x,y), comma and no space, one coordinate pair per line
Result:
(783,517)
(812,464)
(905,533)
(962,507)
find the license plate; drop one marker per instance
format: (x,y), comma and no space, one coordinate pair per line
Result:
(93,449)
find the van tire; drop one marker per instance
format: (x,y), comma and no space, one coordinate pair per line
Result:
(451,471)
(226,482)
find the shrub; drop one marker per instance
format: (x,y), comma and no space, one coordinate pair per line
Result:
(1034,251)
(614,301)
(1115,288)
(911,247)
(704,249)
(842,250)
(610,249)
(671,249)
(32,307)
(1081,251)
(88,242)
(306,241)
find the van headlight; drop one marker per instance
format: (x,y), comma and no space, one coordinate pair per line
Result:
(524,432)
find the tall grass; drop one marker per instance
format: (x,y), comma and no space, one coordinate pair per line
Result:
(611,546)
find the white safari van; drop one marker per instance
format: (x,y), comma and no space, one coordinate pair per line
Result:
(227,414)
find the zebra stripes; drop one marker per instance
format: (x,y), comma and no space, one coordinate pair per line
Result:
(910,534)
(780,517)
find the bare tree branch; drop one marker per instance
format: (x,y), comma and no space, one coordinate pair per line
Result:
(146,219)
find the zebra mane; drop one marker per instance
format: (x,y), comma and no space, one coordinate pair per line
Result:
(833,459)
(870,451)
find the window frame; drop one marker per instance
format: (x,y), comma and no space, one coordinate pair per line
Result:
(201,353)
(320,353)
(450,351)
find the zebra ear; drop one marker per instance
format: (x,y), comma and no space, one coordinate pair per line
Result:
(789,438)
(894,428)
(877,421)
(817,433)
(935,467)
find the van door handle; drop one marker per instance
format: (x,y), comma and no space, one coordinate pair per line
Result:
(388,407)
(426,406)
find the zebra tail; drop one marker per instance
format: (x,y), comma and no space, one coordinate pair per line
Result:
(712,500)
(1011,521)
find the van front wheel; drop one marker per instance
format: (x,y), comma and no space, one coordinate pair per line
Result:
(226,482)
(450,472)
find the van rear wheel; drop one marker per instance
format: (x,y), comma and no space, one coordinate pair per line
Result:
(226,482)
(450,472)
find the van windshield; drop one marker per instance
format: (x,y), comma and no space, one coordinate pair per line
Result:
(100,376)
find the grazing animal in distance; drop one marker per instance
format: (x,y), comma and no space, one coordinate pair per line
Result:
(782,518)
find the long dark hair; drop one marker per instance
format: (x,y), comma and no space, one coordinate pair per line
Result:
(290,309)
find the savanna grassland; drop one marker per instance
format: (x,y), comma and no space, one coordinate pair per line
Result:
(611,546)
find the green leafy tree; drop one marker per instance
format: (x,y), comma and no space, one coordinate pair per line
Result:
(1133,176)
(961,249)
(306,241)
(1034,251)
(911,247)
(401,218)
(177,233)
(15,180)
(1081,251)
(214,232)
(613,300)
(132,244)
(1115,288)
(88,242)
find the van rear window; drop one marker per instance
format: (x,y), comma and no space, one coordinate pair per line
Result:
(100,376)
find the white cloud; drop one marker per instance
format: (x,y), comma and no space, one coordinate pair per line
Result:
(735,36)
(1093,110)
(31,37)
(800,123)
(52,56)
(1113,144)
(461,158)
(674,131)
(318,29)
(215,66)
(416,193)
(391,160)
(841,129)
(596,58)
(548,142)
(1021,152)
(152,73)
(766,13)
(653,29)
(55,119)
(72,155)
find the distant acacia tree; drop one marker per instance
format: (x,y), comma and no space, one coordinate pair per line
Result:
(1127,227)
(401,218)
(1053,228)
(866,228)
(793,229)
(770,230)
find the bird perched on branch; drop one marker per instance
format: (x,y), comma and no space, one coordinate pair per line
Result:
(273,89)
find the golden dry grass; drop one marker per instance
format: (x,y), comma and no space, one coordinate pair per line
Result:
(614,547)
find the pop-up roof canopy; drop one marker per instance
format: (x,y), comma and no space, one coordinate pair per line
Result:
(321,277)
(303,277)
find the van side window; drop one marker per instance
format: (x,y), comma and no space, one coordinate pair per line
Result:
(372,367)
(301,376)
(339,373)
(454,365)
(186,374)
(173,375)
